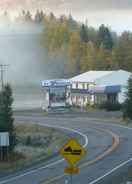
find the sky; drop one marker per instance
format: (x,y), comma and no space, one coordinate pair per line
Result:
(116,14)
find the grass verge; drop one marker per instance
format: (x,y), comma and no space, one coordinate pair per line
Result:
(34,144)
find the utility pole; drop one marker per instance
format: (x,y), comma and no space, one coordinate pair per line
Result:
(2,69)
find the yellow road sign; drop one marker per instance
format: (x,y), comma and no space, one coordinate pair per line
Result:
(71,170)
(72,151)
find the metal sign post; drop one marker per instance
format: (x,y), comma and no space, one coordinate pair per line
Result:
(72,151)
(4,142)
(71,178)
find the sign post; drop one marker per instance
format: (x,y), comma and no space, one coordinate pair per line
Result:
(4,143)
(72,152)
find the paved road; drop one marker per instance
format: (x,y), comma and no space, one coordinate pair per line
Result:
(104,171)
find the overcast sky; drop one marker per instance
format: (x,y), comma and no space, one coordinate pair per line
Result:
(115,13)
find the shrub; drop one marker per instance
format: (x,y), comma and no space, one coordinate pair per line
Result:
(91,106)
(110,106)
(28,140)
(127,106)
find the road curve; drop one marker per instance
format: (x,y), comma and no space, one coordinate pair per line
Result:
(102,171)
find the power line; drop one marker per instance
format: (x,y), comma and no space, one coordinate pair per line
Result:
(2,69)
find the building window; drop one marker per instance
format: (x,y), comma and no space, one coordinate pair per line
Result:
(84,99)
(83,85)
(112,98)
(76,85)
(88,99)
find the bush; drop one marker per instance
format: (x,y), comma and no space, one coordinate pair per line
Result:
(107,106)
(28,140)
(92,106)
(127,106)
(110,106)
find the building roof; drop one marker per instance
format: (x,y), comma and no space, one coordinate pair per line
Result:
(95,76)
(105,89)
(90,76)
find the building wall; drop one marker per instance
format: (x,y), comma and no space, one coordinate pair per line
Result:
(100,98)
(81,85)
(119,77)
(80,99)
(45,103)
(122,95)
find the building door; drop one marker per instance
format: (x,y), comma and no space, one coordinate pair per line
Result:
(112,98)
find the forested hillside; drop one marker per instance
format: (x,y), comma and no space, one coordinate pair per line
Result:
(39,46)
(72,47)
(81,48)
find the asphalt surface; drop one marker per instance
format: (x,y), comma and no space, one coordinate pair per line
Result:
(109,170)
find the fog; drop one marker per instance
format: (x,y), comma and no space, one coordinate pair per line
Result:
(80,4)
(96,11)
(22,50)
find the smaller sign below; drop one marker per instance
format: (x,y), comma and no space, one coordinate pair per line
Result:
(72,151)
(71,170)
(4,139)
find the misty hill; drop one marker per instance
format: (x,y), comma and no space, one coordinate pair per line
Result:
(60,47)
(21,48)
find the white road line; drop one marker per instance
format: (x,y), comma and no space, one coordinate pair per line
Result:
(69,129)
(121,126)
(110,172)
(116,125)
(59,161)
(51,164)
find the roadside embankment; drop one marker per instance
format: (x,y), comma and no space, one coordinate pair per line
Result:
(35,144)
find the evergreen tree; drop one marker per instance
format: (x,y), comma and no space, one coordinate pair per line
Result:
(5,18)
(39,16)
(52,16)
(28,16)
(25,16)
(22,16)
(72,24)
(6,114)
(128,102)
(104,38)
(84,34)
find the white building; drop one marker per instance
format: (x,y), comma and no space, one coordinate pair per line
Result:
(99,86)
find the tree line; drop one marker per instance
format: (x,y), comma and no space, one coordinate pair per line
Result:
(80,47)
(84,48)
(25,16)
